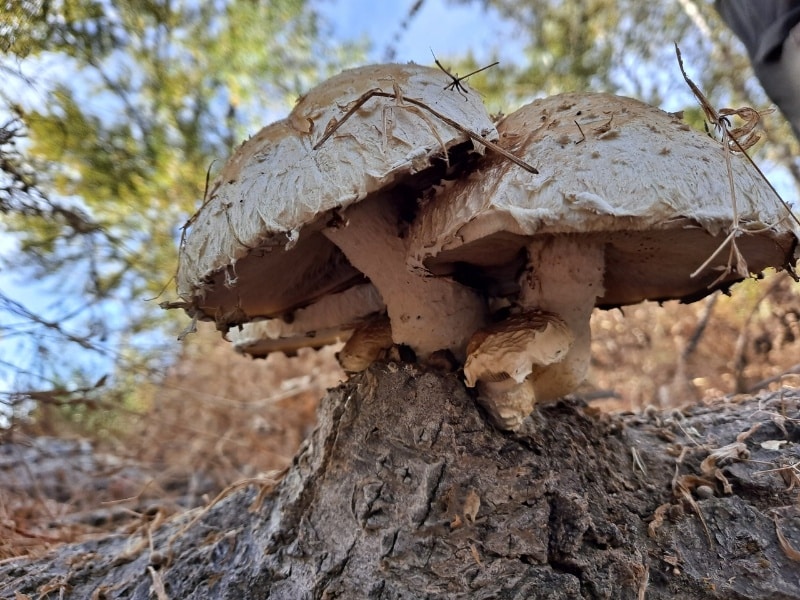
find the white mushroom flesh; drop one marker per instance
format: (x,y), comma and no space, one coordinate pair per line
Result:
(512,348)
(507,402)
(566,278)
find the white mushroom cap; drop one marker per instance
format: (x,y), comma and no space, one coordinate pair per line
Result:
(637,181)
(255,249)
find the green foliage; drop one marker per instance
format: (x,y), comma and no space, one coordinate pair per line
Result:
(141,99)
(627,47)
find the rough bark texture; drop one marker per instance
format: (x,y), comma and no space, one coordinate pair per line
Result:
(404,492)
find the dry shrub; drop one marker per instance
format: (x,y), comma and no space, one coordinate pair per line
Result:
(229,416)
(676,354)
(216,417)
(55,490)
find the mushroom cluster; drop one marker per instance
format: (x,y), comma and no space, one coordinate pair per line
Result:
(375,213)
(304,229)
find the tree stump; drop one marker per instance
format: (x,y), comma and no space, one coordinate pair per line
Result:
(404,491)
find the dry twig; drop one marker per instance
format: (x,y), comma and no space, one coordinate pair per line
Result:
(335,124)
(455,84)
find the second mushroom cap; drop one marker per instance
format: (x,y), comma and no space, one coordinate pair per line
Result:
(629,204)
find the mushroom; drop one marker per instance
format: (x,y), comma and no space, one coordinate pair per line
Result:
(330,320)
(629,204)
(504,359)
(318,203)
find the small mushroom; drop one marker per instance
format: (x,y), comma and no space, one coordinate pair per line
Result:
(369,342)
(504,359)
(318,203)
(629,204)
(330,320)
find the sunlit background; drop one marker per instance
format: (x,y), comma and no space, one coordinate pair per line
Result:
(113,114)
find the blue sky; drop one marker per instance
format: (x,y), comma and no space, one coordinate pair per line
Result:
(448,28)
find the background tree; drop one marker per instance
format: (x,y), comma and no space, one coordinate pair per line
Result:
(627,47)
(125,107)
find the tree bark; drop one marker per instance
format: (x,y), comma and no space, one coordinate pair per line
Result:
(404,491)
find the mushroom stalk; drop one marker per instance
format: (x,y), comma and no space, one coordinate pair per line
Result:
(566,278)
(426,313)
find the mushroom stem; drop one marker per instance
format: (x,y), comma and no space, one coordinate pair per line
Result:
(565,277)
(426,313)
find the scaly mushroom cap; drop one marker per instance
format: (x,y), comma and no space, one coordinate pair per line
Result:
(254,249)
(651,191)
(506,359)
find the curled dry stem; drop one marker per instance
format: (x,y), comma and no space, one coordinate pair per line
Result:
(788,549)
(738,139)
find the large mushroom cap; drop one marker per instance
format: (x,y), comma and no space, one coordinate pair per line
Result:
(255,249)
(652,192)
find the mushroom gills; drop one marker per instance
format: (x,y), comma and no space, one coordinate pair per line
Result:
(328,321)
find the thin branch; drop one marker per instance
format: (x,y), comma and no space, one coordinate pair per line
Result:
(760,385)
(702,324)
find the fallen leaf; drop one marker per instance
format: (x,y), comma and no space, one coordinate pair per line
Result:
(472,504)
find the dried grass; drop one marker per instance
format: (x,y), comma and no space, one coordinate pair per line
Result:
(218,418)
(651,355)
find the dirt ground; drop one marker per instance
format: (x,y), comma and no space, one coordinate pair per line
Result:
(402,491)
